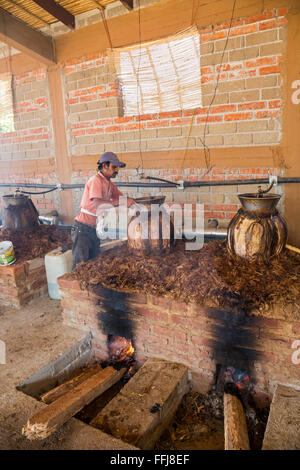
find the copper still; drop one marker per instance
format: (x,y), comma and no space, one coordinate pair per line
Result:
(148,231)
(19,213)
(257,230)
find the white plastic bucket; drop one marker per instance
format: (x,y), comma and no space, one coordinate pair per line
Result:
(7,253)
(57,263)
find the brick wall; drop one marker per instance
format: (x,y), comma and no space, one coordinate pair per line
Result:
(32,139)
(246,112)
(197,336)
(220,202)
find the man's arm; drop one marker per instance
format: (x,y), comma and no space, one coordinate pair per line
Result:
(112,202)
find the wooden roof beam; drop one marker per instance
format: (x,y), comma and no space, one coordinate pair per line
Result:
(18,34)
(128,4)
(59,12)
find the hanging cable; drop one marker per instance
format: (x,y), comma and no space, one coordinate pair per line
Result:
(39,192)
(137,91)
(205,147)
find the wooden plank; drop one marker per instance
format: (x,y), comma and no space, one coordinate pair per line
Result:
(62,160)
(65,387)
(146,404)
(18,34)
(47,421)
(235,427)
(58,11)
(283,427)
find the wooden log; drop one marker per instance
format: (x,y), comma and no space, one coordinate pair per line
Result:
(235,427)
(47,421)
(283,427)
(60,390)
(146,404)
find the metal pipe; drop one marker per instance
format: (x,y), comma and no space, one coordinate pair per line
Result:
(186,184)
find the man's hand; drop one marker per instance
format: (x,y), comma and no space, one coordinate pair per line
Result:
(130,201)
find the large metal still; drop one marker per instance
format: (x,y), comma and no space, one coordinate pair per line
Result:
(257,230)
(19,213)
(149,231)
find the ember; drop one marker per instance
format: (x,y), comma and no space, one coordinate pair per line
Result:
(120,349)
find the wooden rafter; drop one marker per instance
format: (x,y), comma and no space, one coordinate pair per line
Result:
(57,11)
(24,10)
(19,35)
(128,4)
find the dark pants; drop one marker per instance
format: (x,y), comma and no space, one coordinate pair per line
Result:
(86,244)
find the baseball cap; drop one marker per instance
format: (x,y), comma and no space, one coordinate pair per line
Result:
(112,158)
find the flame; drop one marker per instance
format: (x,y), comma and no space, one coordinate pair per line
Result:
(121,349)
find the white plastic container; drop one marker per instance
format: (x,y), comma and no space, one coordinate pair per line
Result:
(57,263)
(7,253)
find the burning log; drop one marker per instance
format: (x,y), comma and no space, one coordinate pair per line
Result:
(62,389)
(146,404)
(236,433)
(47,421)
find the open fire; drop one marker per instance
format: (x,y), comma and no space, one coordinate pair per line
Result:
(120,349)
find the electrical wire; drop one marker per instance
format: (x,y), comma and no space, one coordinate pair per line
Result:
(137,88)
(206,149)
(39,192)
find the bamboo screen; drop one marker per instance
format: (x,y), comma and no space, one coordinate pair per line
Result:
(6,104)
(162,75)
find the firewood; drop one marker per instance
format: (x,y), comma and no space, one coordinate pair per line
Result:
(145,406)
(65,387)
(236,433)
(47,421)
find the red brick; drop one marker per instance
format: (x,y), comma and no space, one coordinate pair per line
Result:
(113,129)
(169,114)
(237,116)
(261,61)
(83,99)
(209,118)
(267,114)
(269,70)
(67,284)
(275,23)
(223,108)
(135,126)
(254,105)
(250,28)
(260,17)
(146,117)
(120,120)
(282,11)
(158,124)
(275,104)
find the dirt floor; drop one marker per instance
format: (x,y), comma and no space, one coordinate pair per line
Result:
(209,276)
(30,244)
(34,336)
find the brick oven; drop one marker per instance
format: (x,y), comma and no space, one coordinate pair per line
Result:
(200,337)
(23,281)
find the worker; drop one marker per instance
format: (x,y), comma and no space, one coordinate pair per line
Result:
(99,190)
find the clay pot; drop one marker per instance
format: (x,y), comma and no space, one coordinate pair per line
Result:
(257,230)
(19,213)
(147,232)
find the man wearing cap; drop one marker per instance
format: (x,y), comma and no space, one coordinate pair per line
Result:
(99,190)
